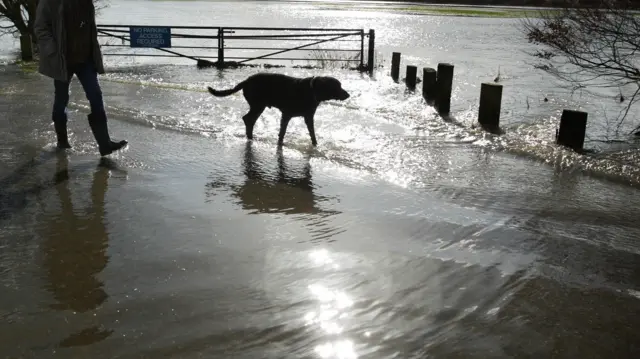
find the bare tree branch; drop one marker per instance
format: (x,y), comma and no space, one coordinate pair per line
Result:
(17,16)
(594,46)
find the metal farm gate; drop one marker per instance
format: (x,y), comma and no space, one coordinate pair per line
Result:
(223,47)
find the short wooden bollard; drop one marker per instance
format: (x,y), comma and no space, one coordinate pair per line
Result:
(395,66)
(429,84)
(573,128)
(412,72)
(444,85)
(490,104)
(26,48)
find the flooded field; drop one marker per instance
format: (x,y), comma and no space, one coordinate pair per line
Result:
(400,236)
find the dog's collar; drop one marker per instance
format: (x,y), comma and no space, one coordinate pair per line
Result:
(313,93)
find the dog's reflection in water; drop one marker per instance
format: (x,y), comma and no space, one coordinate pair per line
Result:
(286,190)
(74,248)
(281,186)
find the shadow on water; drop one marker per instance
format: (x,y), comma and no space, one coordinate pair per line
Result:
(281,189)
(12,201)
(74,249)
(23,183)
(288,190)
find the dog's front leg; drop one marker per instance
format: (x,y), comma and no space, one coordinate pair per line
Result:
(284,122)
(308,120)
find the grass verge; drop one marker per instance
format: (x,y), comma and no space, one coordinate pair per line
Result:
(441,11)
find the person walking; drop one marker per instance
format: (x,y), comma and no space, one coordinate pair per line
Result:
(67,39)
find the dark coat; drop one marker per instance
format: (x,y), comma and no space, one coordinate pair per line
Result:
(50,34)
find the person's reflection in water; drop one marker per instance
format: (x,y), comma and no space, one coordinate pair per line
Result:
(75,251)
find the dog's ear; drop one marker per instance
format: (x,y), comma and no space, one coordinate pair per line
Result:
(317,86)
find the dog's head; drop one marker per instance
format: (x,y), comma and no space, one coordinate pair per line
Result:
(328,88)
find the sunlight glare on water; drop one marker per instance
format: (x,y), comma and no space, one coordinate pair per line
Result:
(332,310)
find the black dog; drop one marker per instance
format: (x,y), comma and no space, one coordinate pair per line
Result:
(294,97)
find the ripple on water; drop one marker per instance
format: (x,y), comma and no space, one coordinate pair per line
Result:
(383,120)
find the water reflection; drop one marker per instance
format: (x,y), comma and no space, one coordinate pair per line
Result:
(331,314)
(322,257)
(85,337)
(286,190)
(74,248)
(17,188)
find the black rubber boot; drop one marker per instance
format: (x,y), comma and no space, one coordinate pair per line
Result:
(98,124)
(60,126)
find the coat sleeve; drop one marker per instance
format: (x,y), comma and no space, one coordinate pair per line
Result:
(43,28)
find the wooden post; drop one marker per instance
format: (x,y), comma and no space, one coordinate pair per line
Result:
(220,47)
(372,49)
(490,104)
(395,66)
(444,85)
(573,127)
(412,72)
(429,84)
(26,48)
(361,50)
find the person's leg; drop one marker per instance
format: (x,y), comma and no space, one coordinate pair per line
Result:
(88,77)
(59,115)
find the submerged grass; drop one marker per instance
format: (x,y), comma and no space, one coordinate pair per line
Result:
(471,12)
(440,10)
(427,9)
(28,66)
(331,59)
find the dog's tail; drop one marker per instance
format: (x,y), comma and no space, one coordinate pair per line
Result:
(223,93)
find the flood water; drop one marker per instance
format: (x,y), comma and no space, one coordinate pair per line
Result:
(400,236)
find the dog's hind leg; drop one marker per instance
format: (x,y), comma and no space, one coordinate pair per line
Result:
(250,119)
(284,122)
(308,120)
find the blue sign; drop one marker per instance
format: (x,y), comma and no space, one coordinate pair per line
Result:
(150,36)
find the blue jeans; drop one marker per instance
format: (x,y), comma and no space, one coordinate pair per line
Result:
(88,77)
